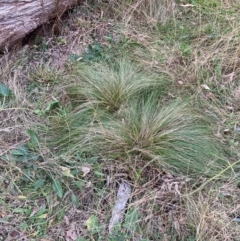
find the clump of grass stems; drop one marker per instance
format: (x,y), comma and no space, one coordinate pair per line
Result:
(119,113)
(173,136)
(148,11)
(110,86)
(101,89)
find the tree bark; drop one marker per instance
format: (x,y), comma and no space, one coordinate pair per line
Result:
(20,17)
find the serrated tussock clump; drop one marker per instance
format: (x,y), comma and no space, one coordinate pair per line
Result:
(173,135)
(110,86)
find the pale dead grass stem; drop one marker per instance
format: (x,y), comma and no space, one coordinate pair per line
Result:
(210,218)
(141,11)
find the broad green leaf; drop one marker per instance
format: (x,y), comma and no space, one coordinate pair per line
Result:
(63,41)
(93,224)
(4,90)
(43,216)
(20,151)
(23,149)
(17,152)
(92,159)
(75,57)
(75,171)
(22,158)
(57,188)
(37,112)
(119,236)
(81,239)
(131,219)
(40,212)
(79,184)
(33,137)
(34,156)
(100,174)
(39,183)
(218,69)
(23,210)
(78,157)
(75,200)
(52,105)
(98,47)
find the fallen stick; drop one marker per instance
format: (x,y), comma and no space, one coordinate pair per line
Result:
(124,192)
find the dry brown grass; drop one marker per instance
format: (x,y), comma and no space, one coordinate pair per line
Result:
(213,213)
(17,114)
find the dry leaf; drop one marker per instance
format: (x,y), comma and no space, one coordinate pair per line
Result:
(226,131)
(171,95)
(186,5)
(230,108)
(229,76)
(14,235)
(219,135)
(177,226)
(210,95)
(85,170)
(89,184)
(35,210)
(3,214)
(236,93)
(71,234)
(205,87)
(21,197)
(66,172)
(66,219)
(43,216)
(50,223)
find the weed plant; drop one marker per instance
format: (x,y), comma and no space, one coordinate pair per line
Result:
(120,115)
(109,87)
(173,135)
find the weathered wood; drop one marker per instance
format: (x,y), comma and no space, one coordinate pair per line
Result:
(20,17)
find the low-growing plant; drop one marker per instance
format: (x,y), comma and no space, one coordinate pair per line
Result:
(174,136)
(109,87)
(94,53)
(45,75)
(5,92)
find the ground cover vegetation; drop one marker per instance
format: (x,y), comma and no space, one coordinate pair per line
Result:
(140,91)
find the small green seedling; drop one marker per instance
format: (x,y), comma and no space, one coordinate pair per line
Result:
(4,92)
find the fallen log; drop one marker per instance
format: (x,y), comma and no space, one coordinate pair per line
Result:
(20,17)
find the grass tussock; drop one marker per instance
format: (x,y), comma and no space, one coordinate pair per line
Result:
(110,87)
(172,135)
